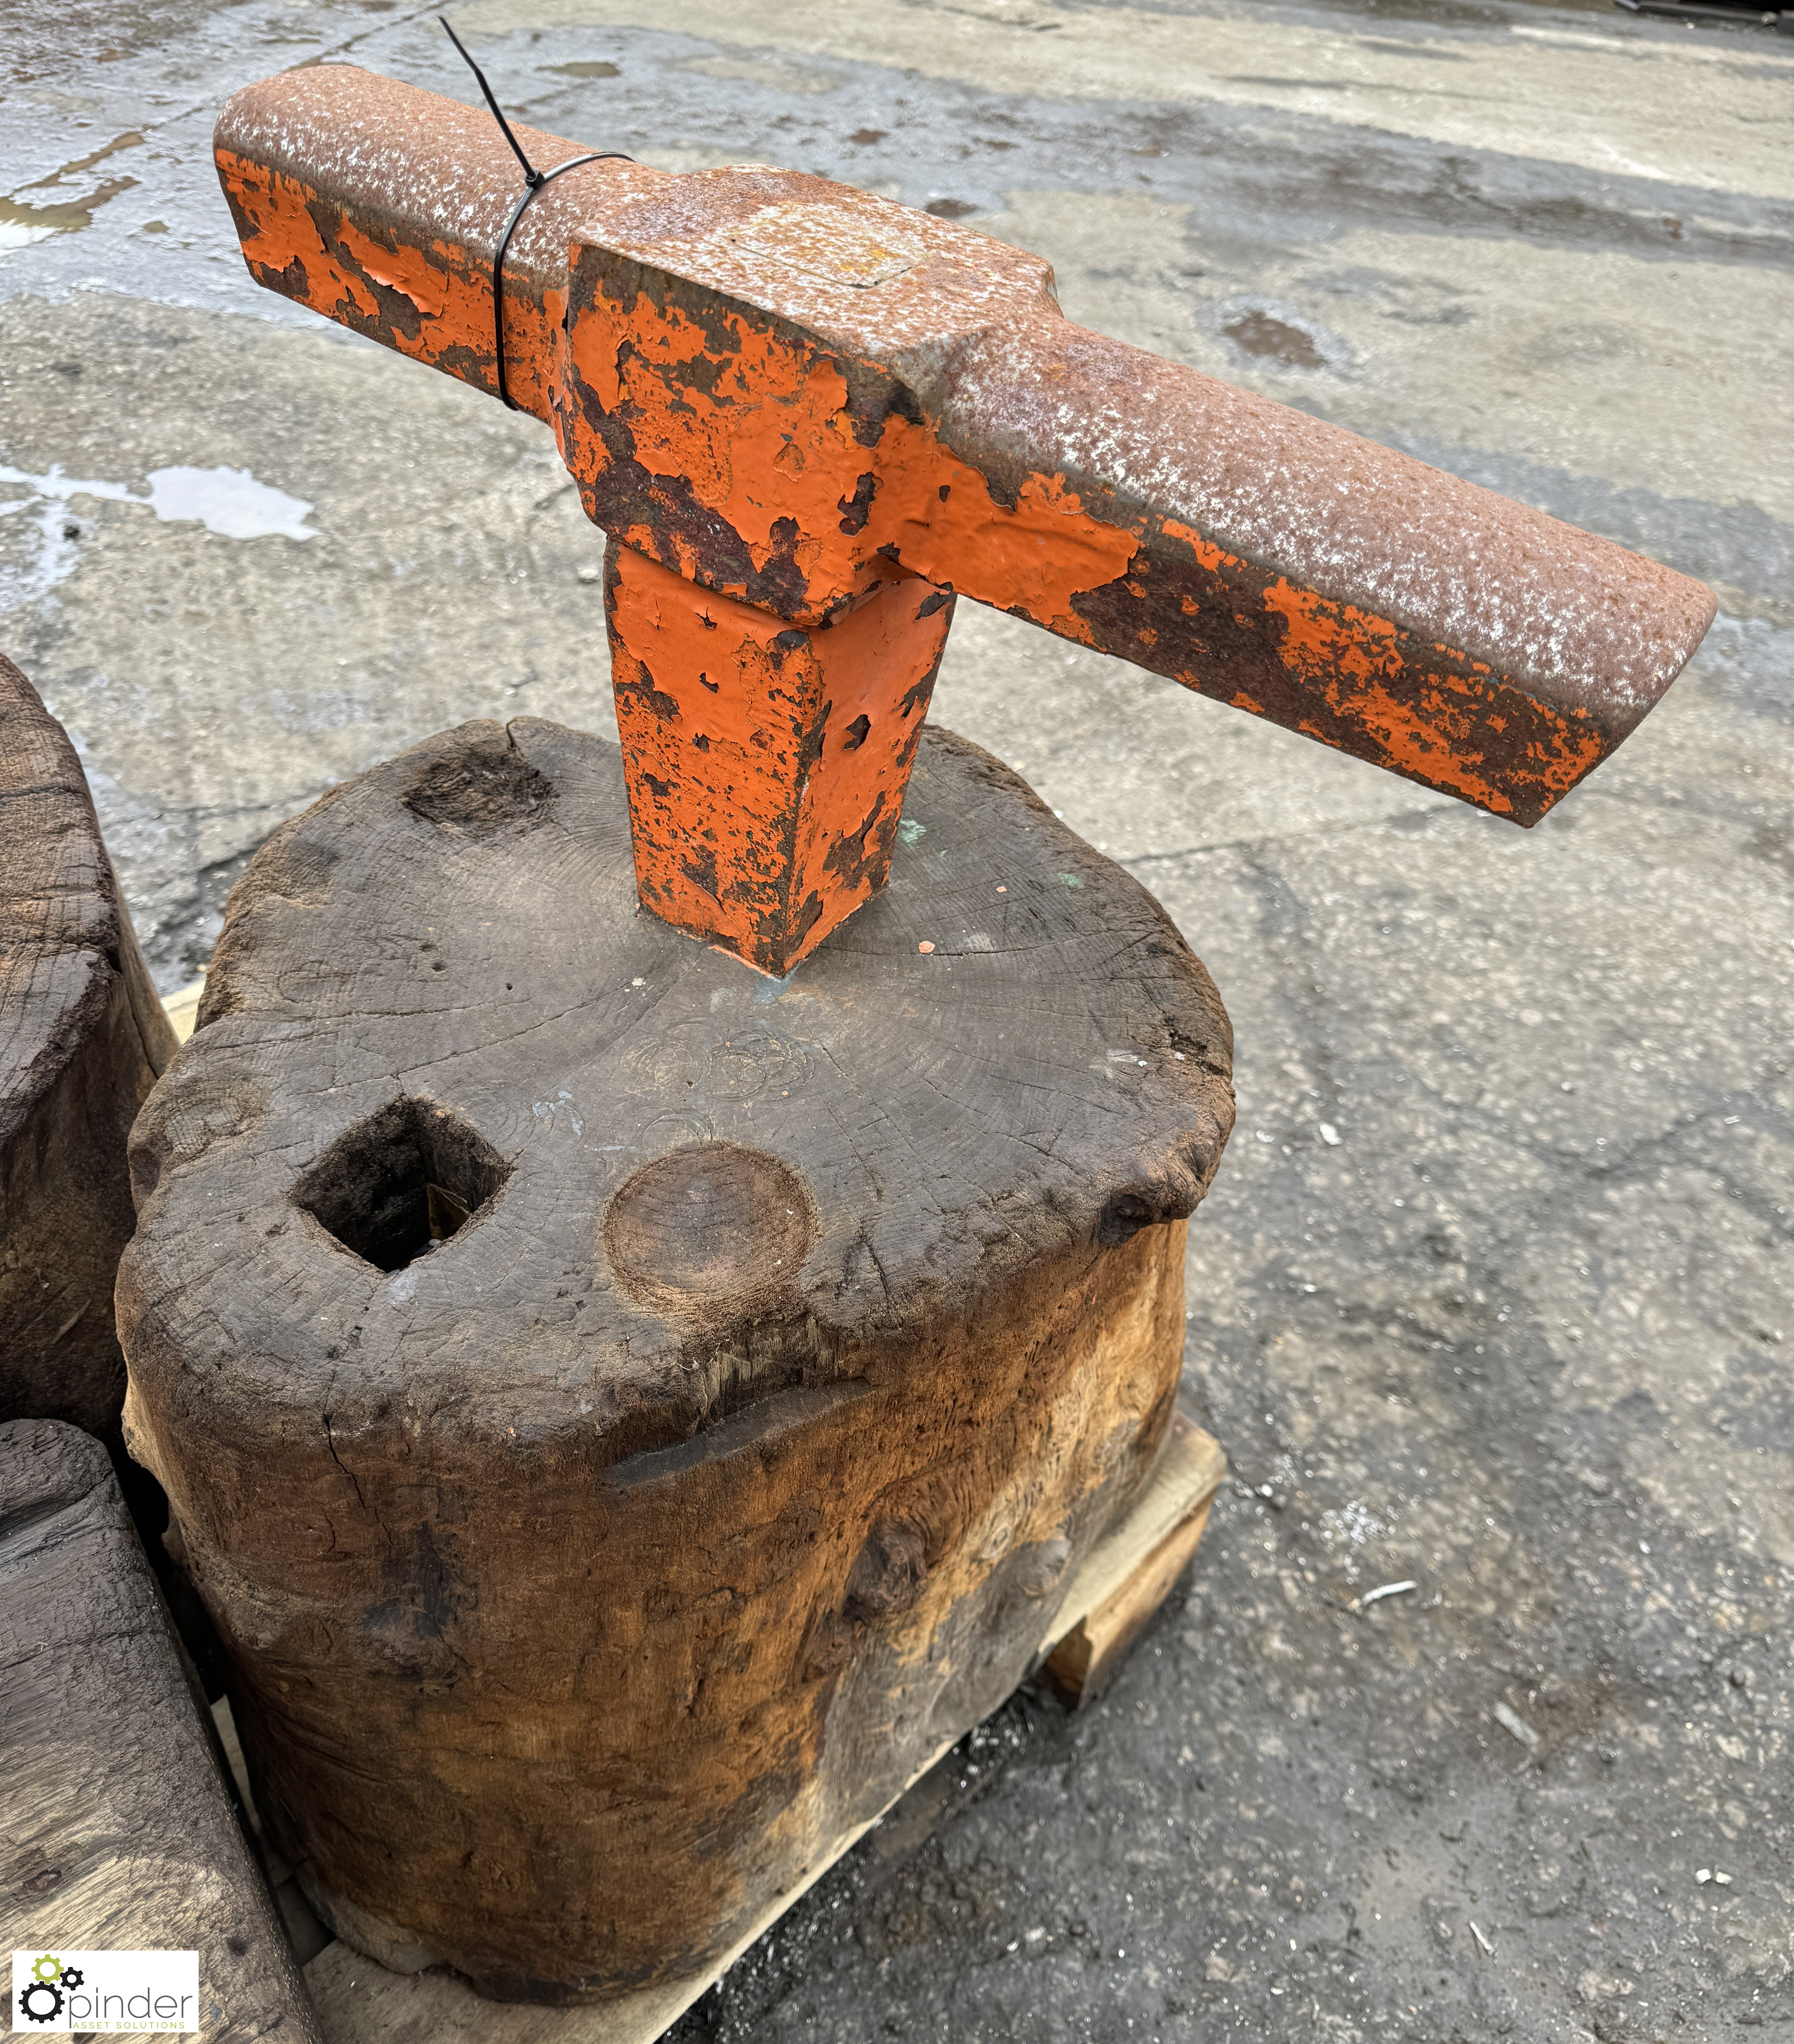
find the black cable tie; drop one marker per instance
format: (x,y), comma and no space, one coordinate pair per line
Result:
(532,176)
(533,181)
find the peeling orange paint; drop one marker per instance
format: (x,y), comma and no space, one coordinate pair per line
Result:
(1031,560)
(409,271)
(759,426)
(449,325)
(1208,553)
(1422,724)
(1322,636)
(765,762)
(747,422)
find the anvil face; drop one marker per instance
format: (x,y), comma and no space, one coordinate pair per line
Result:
(740,399)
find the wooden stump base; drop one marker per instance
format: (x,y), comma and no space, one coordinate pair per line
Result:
(626,1414)
(1115,1592)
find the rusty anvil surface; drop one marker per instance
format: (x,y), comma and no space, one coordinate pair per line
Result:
(808,416)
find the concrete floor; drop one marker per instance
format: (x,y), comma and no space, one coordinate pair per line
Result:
(1522,1333)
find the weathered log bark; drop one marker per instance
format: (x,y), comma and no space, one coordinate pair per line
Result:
(624,1412)
(116,1832)
(83,1037)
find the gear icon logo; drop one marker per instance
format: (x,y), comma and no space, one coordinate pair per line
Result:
(40,2002)
(40,1999)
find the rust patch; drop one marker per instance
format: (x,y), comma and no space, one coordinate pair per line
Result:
(1348,678)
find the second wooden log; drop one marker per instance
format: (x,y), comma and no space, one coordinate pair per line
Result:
(116,1834)
(83,1037)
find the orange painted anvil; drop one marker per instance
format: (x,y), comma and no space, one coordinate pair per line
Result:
(807,417)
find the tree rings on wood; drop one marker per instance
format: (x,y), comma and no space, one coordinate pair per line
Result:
(709,1230)
(625,1412)
(83,1037)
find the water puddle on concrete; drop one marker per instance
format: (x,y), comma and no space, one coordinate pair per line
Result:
(226,500)
(229,501)
(23,220)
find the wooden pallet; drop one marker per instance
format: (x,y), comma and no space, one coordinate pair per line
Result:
(182,1009)
(1126,1578)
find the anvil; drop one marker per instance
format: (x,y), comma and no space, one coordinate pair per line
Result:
(809,418)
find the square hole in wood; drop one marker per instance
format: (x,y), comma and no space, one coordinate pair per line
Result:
(391,1187)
